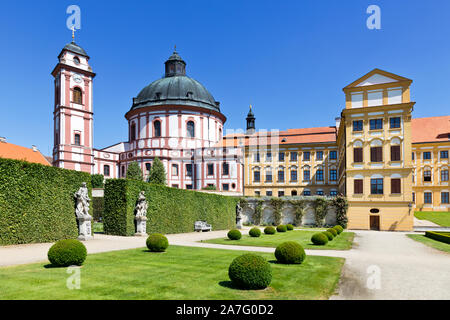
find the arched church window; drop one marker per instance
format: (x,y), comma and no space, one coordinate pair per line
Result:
(77,95)
(191,129)
(77,139)
(157,128)
(106,170)
(133,132)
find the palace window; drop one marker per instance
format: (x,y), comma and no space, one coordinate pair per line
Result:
(358,186)
(157,128)
(256,176)
(307,193)
(189,170)
(395,186)
(357,154)
(427,197)
(281,175)
(210,169)
(333,175)
(395,153)
(293,175)
(268,175)
(444,175)
(319,175)
(413,156)
(306,175)
(376,186)
(106,170)
(444,154)
(293,156)
(414,197)
(77,139)
(225,187)
(293,193)
(281,156)
(280,193)
(269,156)
(269,193)
(444,198)
(256,157)
(320,192)
(148,166)
(376,154)
(225,169)
(333,155)
(174,170)
(376,124)
(190,129)
(319,155)
(427,176)
(123,171)
(189,187)
(133,132)
(333,193)
(427,155)
(306,156)
(357,125)
(394,123)
(77,96)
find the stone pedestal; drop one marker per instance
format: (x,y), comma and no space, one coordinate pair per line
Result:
(85,228)
(239,224)
(141,226)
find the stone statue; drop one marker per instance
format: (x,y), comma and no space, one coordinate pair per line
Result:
(83,202)
(238,216)
(142,205)
(141,215)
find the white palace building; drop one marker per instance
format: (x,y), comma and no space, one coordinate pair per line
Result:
(174,118)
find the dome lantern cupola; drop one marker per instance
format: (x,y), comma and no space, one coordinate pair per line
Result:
(175,66)
(250,122)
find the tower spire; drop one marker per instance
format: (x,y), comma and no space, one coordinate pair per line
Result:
(250,121)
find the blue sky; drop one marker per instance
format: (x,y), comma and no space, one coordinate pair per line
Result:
(289,59)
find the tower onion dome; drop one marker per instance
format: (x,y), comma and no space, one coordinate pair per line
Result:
(175,89)
(73,47)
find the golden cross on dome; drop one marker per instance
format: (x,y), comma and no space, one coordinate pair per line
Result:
(73,33)
(250,107)
(175,48)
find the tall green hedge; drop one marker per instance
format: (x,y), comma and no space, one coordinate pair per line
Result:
(97,208)
(37,202)
(170,210)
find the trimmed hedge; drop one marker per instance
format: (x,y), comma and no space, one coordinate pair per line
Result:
(290,252)
(290,227)
(439,236)
(255,232)
(37,202)
(333,232)
(234,234)
(65,253)
(157,242)
(250,271)
(170,210)
(281,228)
(270,230)
(329,235)
(98,204)
(339,229)
(319,239)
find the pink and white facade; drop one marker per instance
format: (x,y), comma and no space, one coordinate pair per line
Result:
(174,118)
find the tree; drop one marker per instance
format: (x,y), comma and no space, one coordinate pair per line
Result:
(157,173)
(134,172)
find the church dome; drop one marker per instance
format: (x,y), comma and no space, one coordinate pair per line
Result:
(75,49)
(175,89)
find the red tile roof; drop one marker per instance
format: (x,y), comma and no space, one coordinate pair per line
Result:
(433,129)
(12,151)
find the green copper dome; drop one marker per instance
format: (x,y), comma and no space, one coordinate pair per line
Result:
(175,89)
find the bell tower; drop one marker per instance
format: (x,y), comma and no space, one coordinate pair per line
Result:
(73,110)
(250,122)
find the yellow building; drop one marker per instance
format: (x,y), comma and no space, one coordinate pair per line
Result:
(430,147)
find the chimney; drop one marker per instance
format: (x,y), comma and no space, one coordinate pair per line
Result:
(2,139)
(35,149)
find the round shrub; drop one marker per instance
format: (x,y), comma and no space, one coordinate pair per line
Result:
(281,228)
(290,227)
(250,271)
(329,235)
(157,242)
(269,230)
(290,252)
(234,234)
(333,232)
(69,252)
(254,232)
(319,239)
(339,229)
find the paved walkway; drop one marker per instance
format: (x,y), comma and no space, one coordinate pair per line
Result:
(424,223)
(407,269)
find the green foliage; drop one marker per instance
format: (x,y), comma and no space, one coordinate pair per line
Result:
(289,227)
(213,187)
(97,207)
(319,239)
(341,205)
(257,215)
(339,229)
(243,202)
(234,234)
(333,232)
(157,242)
(270,230)
(277,205)
(37,202)
(170,210)
(281,228)
(255,232)
(290,252)
(157,173)
(134,172)
(329,235)
(320,208)
(97,181)
(439,236)
(299,210)
(68,252)
(250,271)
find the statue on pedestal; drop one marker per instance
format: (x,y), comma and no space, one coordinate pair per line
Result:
(84,219)
(141,215)
(238,216)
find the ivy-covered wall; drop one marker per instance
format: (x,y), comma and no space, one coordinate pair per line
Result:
(170,210)
(37,202)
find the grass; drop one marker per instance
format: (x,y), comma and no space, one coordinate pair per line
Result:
(343,241)
(98,227)
(441,218)
(430,242)
(181,273)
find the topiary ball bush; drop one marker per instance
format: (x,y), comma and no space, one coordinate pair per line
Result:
(157,242)
(250,271)
(281,228)
(290,252)
(319,239)
(329,235)
(339,229)
(69,252)
(333,232)
(254,232)
(290,227)
(234,234)
(269,230)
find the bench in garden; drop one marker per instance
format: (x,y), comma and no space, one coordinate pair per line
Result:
(201,226)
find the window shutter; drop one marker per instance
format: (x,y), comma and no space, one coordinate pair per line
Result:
(358,155)
(395,186)
(395,153)
(358,186)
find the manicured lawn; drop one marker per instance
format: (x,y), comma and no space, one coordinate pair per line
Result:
(430,242)
(180,273)
(343,241)
(441,218)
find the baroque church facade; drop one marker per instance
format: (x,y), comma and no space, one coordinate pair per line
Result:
(174,118)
